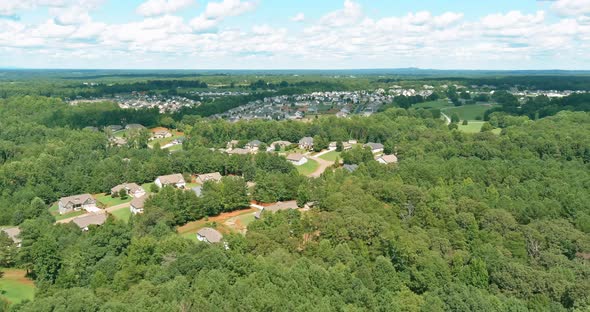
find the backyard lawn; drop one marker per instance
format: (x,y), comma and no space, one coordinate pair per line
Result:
(122,214)
(147,186)
(308,168)
(472,127)
(331,156)
(15,287)
(53,210)
(108,201)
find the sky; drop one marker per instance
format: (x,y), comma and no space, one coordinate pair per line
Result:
(295,34)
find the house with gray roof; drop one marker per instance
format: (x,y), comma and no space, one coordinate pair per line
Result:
(85,222)
(76,203)
(137,204)
(175,180)
(209,235)
(306,143)
(375,147)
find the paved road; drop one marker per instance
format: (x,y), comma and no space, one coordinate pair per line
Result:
(323,165)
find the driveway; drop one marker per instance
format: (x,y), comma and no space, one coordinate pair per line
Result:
(323,165)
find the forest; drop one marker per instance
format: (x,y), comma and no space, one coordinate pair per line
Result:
(464,222)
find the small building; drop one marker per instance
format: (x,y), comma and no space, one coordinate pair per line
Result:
(14,234)
(76,203)
(333,146)
(352,142)
(346,146)
(375,147)
(253,145)
(213,176)
(161,134)
(117,141)
(209,235)
(86,221)
(131,189)
(137,204)
(232,144)
(287,205)
(350,168)
(387,159)
(306,143)
(297,159)
(280,144)
(238,151)
(175,180)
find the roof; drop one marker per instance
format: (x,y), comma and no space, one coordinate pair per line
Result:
(281,143)
(295,157)
(136,126)
(139,202)
(13,234)
(211,235)
(171,178)
(306,140)
(374,146)
(389,158)
(254,143)
(93,219)
(350,168)
(76,199)
(292,204)
(213,176)
(132,187)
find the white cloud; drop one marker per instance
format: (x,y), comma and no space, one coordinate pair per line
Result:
(299,17)
(351,13)
(225,8)
(572,7)
(160,7)
(512,19)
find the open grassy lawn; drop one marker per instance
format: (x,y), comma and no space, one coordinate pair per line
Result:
(147,186)
(468,112)
(175,148)
(54,209)
(122,214)
(108,201)
(120,133)
(69,215)
(434,104)
(331,156)
(15,287)
(472,127)
(309,167)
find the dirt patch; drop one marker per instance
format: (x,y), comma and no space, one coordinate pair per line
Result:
(156,129)
(18,276)
(221,219)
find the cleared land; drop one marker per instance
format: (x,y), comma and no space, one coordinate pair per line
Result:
(122,214)
(469,112)
(109,201)
(228,222)
(331,156)
(15,287)
(434,104)
(472,127)
(308,168)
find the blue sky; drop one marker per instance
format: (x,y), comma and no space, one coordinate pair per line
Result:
(302,34)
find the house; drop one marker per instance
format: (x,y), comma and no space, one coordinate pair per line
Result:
(281,144)
(13,233)
(94,219)
(350,168)
(131,189)
(292,204)
(253,145)
(137,204)
(387,159)
(346,146)
(134,126)
(352,142)
(333,146)
(77,202)
(176,180)
(375,147)
(198,191)
(214,176)
(306,143)
(297,159)
(160,134)
(116,141)
(209,235)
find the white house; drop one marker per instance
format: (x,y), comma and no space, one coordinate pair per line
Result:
(76,203)
(375,147)
(387,159)
(137,204)
(176,180)
(209,235)
(297,159)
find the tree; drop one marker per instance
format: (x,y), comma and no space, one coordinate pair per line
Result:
(465,122)
(455,118)
(487,127)
(123,194)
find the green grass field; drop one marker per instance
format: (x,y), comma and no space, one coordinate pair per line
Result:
(331,156)
(147,186)
(122,214)
(472,127)
(468,112)
(434,104)
(15,287)
(108,201)
(309,167)
(53,210)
